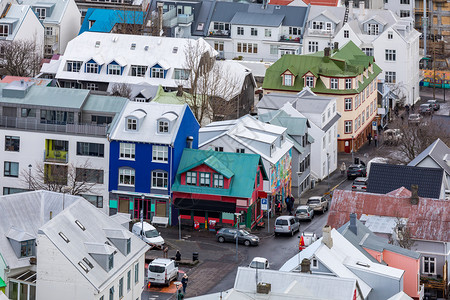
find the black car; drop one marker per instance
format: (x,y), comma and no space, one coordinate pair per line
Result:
(354,171)
(229,235)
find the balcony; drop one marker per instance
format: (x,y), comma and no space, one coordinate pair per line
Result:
(35,125)
(290,39)
(51,39)
(321,32)
(171,19)
(56,156)
(185,19)
(224,33)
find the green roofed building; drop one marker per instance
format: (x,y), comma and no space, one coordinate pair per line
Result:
(210,187)
(347,74)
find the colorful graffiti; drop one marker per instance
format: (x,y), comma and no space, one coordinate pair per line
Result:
(436,78)
(280,174)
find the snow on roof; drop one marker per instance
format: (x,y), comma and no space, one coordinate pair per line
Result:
(15,15)
(148,114)
(57,8)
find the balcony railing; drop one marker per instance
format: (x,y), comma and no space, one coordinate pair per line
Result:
(35,125)
(185,19)
(421,292)
(58,156)
(289,38)
(219,33)
(320,32)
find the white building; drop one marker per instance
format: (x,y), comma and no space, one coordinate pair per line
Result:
(322,116)
(45,130)
(248,135)
(56,246)
(61,20)
(392,40)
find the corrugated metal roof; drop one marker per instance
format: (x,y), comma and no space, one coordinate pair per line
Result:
(429,220)
(107,104)
(104,20)
(385,178)
(243,18)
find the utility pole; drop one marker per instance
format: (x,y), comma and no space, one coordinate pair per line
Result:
(434,65)
(424,30)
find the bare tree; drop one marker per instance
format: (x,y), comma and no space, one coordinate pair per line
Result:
(128,22)
(212,86)
(71,179)
(416,137)
(21,57)
(121,90)
(399,90)
(402,234)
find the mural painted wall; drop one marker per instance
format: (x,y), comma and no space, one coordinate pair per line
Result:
(281,174)
(442,78)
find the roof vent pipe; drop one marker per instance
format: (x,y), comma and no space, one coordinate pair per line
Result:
(352,227)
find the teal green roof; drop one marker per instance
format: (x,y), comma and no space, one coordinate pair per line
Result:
(44,96)
(2,283)
(240,167)
(109,104)
(349,61)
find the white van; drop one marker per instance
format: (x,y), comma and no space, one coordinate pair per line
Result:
(162,271)
(150,234)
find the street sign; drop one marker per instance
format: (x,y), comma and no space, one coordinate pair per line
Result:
(374,125)
(264,205)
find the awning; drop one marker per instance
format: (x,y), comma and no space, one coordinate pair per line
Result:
(262,194)
(206,205)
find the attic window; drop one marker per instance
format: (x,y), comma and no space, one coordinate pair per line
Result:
(133,46)
(163,127)
(83,266)
(146,48)
(314,263)
(128,246)
(288,80)
(200,26)
(175,50)
(64,237)
(97,44)
(88,262)
(132,124)
(80,225)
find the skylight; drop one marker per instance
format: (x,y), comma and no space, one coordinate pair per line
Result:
(83,266)
(133,46)
(80,225)
(64,237)
(97,44)
(175,50)
(88,262)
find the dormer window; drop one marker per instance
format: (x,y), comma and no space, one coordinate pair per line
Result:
(334,83)
(191,178)
(218,180)
(309,81)
(4,30)
(163,127)
(26,248)
(131,124)
(372,29)
(114,69)
(348,83)
(110,261)
(288,80)
(157,72)
(73,66)
(41,13)
(91,67)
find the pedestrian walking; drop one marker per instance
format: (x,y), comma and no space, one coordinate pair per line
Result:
(286,201)
(369,138)
(376,139)
(166,252)
(178,255)
(184,282)
(343,168)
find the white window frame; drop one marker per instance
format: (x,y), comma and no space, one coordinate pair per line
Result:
(240,30)
(127,172)
(328,26)
(163,176)
(48,31)
(313,46)
(334,83)
(288,80)
(127,151)
(253,31)
(373,29)
(428,260)
(41,13)
(346,34)
(218,181)
(191,178)
(348,126)
(114,69)
(138,70)
(4,31)
(309,81)
(92,68)
(75,65)
(132,124)
(348,104)
(268,32)
(160,154)
(163,126)
(348,83)
(390,55)
(92,86)
(157,73)
(390,77)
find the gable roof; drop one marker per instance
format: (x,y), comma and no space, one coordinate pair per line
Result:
(23,214)
(322,2)
(148,114)
(16,14)
(104,20)
(57,7)
(429,220)
(348,61)
(439,152)
(241,167)
(91,240)
(364,238)
(384,178)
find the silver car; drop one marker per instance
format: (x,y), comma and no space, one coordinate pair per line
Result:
(304,212)
(360,184)
(286,224)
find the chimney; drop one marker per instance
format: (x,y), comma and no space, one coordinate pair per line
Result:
(160,16)
(180,91)
(189,141)
(305,266)
(336,46)
(327,52)
(350,9)
(352,227)
(362,11)
(326,236)
(414,194)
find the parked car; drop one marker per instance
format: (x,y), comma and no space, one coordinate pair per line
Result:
(286,224)
(356,170)
(259,263)
(392,136)
(360,184)
(162,271)
(306,239)
(304,212)
(425,108)
(150,235)
(318,203)
(230,234)
(415,118)
(434,104)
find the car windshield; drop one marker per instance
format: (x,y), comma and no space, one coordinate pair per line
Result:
(156,269)
(354,168)
(151,233)
(314,201)
(302,211)
(359,183)
(243,232)
(257,265)
(281,222)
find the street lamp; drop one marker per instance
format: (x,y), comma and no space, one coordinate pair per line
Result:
(29,176)
(353,159)
(237,233)
(142,216)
